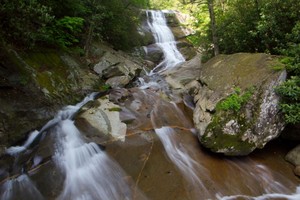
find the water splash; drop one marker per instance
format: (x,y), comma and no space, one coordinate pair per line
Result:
(89,172)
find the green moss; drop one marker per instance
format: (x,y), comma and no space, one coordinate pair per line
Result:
(52,73)
(236,100)
(231,143)
(115,109)
(220,140)
(216,139)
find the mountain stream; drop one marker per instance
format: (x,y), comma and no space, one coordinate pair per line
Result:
(159,158)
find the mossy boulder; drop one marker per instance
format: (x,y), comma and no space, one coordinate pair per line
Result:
(227,121)
(34,85)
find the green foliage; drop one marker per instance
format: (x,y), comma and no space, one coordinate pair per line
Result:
(291,112)
(235,101)
(290,89)
(23,22)
(66,30)
(63,22)
(258,26)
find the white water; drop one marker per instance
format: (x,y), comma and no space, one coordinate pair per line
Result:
(67,112)
(194,171)
(90,173)
(179,155)
(20,188)
(164,38)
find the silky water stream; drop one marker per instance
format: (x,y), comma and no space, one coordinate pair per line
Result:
(160,157)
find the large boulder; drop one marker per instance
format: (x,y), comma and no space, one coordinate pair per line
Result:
(236,107)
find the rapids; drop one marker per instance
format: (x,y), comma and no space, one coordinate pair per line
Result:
(160,158)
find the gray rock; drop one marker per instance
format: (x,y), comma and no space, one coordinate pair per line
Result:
(105,119)
(113,65)
(293,156)
(186,49)
(232,132)
(118,81)
(154,53)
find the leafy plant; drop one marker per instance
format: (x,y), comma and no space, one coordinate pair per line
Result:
(291,112)
(290,89)
(235,101)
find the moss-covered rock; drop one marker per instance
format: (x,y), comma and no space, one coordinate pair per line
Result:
(35,84)
(228,122)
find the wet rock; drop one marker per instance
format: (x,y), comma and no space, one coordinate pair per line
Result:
(113,65)
(118,81)
(183,77)
(256,121)
(35,84)
(105,119)
(293,156)
(154,53)
(186,49)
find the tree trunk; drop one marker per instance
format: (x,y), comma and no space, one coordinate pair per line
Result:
(89,40)
(213,26)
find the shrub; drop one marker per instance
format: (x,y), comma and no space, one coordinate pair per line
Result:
(289,90)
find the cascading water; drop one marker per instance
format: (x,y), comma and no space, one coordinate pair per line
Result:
(164,38)
(87,172)
(194,170)
(90,173)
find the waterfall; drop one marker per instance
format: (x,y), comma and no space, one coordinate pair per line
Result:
(89,172)
(164,38)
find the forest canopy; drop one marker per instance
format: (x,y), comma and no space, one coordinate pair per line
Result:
(64,23)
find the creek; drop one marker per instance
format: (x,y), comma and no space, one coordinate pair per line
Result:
(159,158)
